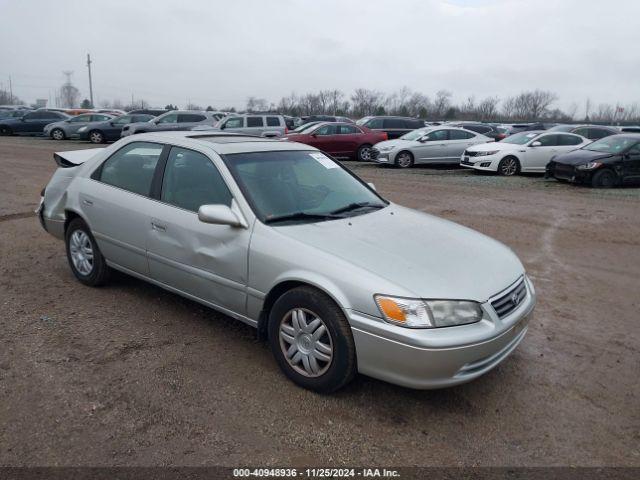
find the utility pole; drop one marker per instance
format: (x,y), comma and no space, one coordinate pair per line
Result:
(90,83)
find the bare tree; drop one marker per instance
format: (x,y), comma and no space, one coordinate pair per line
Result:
(255,104)
(366,102)
(442,103)
(487,109)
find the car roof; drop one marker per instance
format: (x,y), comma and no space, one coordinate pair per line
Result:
(221,142)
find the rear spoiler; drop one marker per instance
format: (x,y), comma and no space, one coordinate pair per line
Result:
(75,157)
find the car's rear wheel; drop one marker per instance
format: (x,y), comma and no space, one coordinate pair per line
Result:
(311,340)
(85,259)
(96,136)
(4,130)
(364,153)
(604,178)
(57,134)
(509,166)
(404,160)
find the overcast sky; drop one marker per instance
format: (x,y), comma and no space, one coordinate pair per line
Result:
(219,52)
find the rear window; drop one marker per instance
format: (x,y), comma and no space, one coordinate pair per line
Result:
(414,124)
(255,122)
(273,122)
(570,140)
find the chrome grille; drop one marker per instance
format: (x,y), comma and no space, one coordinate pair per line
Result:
(470,154)
(511,299)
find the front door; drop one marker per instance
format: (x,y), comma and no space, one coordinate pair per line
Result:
(200,259)
(631,165)
(432,147)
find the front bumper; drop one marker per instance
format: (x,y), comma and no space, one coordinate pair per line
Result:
(488,163)
(568,173)
(387,157)
(421,360)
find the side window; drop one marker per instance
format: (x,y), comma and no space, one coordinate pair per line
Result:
(99,118)
(326,130)
(124,120)
(81,119)
(131,167)
(234,122)
(582,131)
(273,122)
(436,136)
(190,117)
(549,140)
(347,130)
(598,133)
(393,123)
(415,124)
(32,116)
(191,180)
(570,140)
(460,135)
(255,122)
(374,123)
(171,118)
(635,150)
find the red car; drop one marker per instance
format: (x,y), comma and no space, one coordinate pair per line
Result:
(340,139)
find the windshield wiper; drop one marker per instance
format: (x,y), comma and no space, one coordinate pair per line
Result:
(301,216)
(356,206)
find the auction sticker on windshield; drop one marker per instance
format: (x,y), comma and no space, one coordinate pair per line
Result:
(324,160)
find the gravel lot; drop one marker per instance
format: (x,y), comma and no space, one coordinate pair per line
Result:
(129,374)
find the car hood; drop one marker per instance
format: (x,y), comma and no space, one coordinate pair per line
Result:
(424,254)
(397,143)
(581,156)
(493,146)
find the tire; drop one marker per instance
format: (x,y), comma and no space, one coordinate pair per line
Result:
(330,352)
(605,178)
(364,153)
(96,136)
(404,159)
(509,166)
(5,131)
(90,270)
(58,134)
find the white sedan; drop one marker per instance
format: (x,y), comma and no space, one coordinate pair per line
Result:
(522,152)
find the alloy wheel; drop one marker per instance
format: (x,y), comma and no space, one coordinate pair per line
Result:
(81,251)
(57,134)
(305,342)
(365,154)
(404,160)
(509,167)
(95,137)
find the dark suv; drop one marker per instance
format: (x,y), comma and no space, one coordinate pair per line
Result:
(394,127)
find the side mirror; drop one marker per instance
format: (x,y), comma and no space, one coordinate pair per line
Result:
(371,186)
(219,215)
(536,144)
(423,139)
(223,126)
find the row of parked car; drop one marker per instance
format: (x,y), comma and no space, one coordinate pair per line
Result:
(401,142)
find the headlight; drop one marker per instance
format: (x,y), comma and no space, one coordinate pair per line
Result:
(417,313)
(484,154)
(589,166)
(82,129)
(386,148)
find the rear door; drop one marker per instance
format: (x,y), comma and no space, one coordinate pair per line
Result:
(116,203)
(348,139)
(200,259)
(255,125)
(459,141)
(189,120)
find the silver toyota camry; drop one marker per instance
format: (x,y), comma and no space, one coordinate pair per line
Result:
(280,236)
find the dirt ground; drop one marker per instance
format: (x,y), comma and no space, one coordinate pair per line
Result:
(129,374)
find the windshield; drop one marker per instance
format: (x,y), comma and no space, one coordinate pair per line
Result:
(611,144)
(520,138)
(562,128)
(414,134)
(305,127)
(362,121)
(279,184)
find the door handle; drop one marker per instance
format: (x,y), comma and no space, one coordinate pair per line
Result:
(158,227)
(87,202)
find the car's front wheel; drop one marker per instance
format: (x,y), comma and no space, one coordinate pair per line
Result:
(404,160)
(57,134)
(604,178)
(96,136)
(85,259)
(311,340)
(509,166)
(364,153)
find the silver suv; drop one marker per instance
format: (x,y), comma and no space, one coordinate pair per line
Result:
(172,121)
(259,125)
